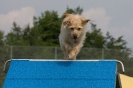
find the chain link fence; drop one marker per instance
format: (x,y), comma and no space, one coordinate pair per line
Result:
(41,52)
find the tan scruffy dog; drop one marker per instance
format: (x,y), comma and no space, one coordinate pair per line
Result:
(72,35)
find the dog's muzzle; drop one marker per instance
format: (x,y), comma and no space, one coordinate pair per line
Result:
(75,37)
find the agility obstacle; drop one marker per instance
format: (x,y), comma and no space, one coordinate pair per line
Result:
(62,74)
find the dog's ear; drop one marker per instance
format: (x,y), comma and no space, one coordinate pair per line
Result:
(86,21)
(66,23)
(66,14)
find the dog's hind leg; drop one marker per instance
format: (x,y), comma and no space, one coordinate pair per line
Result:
(65,51)
(65,55)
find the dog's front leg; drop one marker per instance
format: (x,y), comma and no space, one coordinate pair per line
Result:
(74,52)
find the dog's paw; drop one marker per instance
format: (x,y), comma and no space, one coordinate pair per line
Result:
(70,59)
(71,55)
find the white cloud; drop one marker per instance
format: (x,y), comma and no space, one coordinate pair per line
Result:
(22,17)
(99,17)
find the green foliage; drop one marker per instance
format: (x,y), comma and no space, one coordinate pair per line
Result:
(94,39)
(15,36)
(27,36)
(77,10)
(113,43)
(48,26)
(1,37)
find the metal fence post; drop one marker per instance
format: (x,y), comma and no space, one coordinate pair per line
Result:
(102,53)
(11,52)
(55,52)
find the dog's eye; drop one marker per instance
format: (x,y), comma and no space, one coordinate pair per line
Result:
(79,29)
(72,29)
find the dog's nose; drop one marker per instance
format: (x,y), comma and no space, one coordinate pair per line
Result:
(75,36)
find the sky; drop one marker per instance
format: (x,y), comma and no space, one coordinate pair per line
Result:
(114,16)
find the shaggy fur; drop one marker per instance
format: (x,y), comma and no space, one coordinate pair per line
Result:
(72,35)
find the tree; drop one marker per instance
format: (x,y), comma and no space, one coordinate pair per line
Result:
(95,38)
(112,43)
(77,10)
(48,26)
(1,38)
(14,37)
(26,36)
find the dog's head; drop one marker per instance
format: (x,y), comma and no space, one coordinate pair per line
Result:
(75,24)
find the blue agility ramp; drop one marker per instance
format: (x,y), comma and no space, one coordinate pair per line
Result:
(61,74)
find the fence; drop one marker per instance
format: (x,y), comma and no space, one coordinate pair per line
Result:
(41,52)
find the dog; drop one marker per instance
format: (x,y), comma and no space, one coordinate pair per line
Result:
(72,35)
